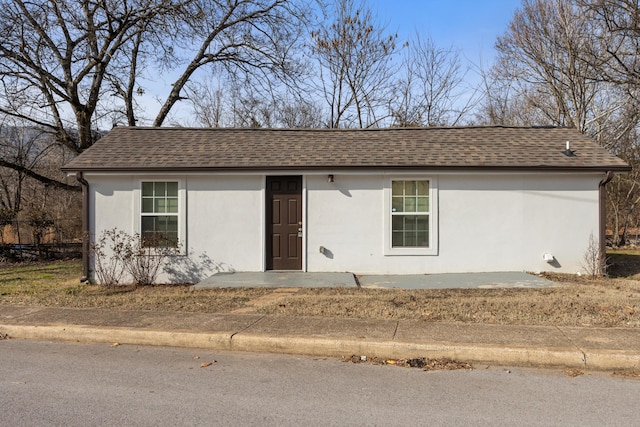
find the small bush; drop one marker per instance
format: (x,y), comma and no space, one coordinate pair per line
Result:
(144,256)
(117,252)
(594,261)
(109,268)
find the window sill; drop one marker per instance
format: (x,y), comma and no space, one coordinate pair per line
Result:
(410,252)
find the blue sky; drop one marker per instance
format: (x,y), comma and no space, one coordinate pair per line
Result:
(470,25)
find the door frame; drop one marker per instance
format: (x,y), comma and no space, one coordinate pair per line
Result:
(265,225)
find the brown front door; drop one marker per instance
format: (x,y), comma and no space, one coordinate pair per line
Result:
(284,223)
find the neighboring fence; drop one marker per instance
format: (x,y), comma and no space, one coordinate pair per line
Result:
(51,238)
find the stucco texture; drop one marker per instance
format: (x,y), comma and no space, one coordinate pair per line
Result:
(480,222)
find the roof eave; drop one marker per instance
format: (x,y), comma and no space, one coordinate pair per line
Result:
(489,168)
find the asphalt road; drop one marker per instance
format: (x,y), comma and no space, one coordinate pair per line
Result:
(56,384)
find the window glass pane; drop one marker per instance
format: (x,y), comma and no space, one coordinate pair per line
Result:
(423,239)
(172,189)
(423,188)
(396,239)
(423,204)
(397,223)
(172,205)
(161,224)
(397,188)
(167,224)
(422,223)
(410,196)
(159,189)
(410,204)
(148,224)
(409,240)
(397,204)
(410,231)
(410,188)
(171,238)
(172,224)
(147,188)
(160,230)
(410,223)
(160,205)
(147,205)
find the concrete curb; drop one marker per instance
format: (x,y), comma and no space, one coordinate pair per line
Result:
(333,347)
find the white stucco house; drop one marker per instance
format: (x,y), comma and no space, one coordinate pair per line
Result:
(378,201)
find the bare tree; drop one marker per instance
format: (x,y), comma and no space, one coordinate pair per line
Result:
(67,65)
(354,53)
(542,53)
(252,39)
(239,106)
(616,51)
(208,106)
(56,55)
(297,112)
(431,92)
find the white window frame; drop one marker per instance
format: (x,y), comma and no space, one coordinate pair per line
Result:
(182,207)
(433,217)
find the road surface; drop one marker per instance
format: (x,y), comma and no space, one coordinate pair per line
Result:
(46,383)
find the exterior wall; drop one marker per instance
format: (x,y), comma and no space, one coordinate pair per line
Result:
(485,222)
(226,221)
(501,222)
(222,220)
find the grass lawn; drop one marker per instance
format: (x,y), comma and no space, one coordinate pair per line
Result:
(608,302)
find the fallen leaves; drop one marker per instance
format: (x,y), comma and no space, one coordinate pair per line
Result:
(574,372)
(426,364)
(631,373)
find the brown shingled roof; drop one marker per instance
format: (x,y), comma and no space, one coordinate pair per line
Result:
(495,147)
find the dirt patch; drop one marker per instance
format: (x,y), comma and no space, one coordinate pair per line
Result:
(274,296)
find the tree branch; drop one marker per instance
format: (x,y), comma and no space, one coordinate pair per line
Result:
(43,179)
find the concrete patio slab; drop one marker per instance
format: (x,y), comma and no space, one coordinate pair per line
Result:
(299,279)
(277,279)
(508,279)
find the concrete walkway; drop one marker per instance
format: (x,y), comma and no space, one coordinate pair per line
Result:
(297,279)
(277,279)
(505,345)
(509,279)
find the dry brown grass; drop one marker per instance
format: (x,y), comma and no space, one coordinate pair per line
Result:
(611,302)
(57,284)
(605,303)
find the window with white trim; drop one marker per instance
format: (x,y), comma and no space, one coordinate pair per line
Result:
(410,215)
(159,213)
